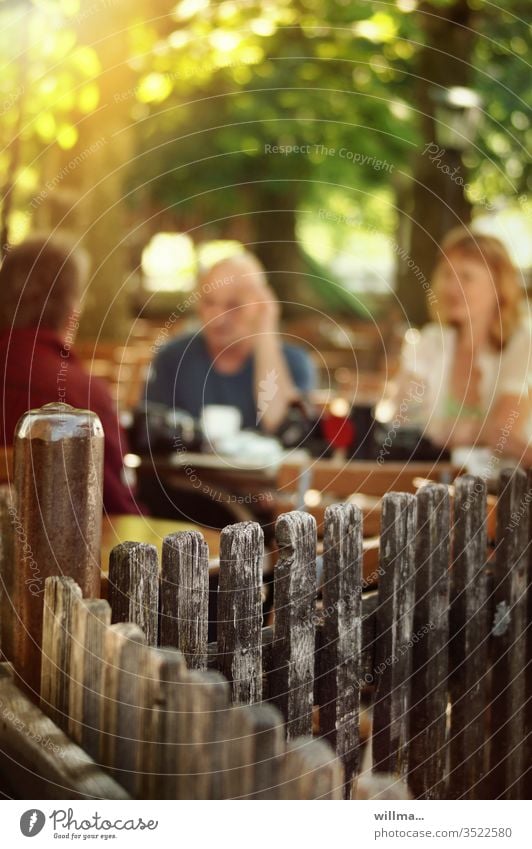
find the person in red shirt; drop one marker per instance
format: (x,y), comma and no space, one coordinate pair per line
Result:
(41,285)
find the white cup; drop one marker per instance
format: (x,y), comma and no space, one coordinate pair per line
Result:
(219,421)
(474,461)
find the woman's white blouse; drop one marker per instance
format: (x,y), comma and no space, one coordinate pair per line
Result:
(426,362)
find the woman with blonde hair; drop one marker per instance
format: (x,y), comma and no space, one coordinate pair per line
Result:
(472,364)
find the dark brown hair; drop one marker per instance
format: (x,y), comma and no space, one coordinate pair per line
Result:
(41,281)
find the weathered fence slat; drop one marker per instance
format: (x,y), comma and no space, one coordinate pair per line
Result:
(429,681)
(394,623)
(134,587)
(38,759)
(238,754)
(340,656)
(294,628)
(202,705)
(59,597)
(469,643)
(90,618)
(239,619)
(382,786)
(268,740)
(128,678)
(507,762)
(162,756)
(185,596)
(311,771)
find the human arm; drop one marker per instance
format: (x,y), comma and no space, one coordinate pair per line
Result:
(504,425)
(274,386)
(118,495)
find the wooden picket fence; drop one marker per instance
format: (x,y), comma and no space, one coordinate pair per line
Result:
(442,651)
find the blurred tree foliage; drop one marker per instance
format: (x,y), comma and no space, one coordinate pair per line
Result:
(179,109)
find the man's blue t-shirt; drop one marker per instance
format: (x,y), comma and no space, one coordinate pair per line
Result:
(182,376)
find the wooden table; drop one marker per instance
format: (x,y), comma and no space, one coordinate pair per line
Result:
(117,529)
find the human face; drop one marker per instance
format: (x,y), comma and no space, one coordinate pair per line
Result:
(227,308)
(467,290)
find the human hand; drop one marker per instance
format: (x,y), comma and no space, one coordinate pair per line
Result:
(267,310)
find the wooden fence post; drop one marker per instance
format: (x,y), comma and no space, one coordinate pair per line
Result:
(58,469)
(162,747)
(128,688)
(295,625)
(90,620)
(239,619)
(469,641)
(508,745)
(60,595)
(42,762)
(311,771)
(429,681)
(340,656)
(202,705)
(185,596)
(239,770)
(395,618)
(268,750)
(134,587)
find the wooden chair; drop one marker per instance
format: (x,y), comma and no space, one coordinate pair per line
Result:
(124,368)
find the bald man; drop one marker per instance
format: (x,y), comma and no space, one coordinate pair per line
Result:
(237,356)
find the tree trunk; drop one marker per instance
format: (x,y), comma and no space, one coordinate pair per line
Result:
(437,201)
(86,183)
(277,247)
